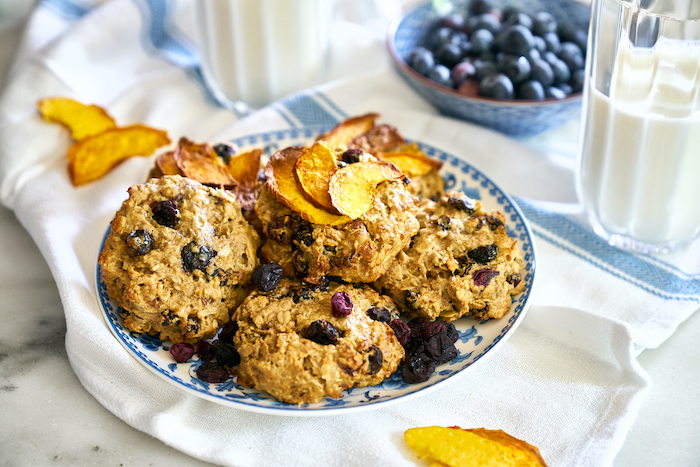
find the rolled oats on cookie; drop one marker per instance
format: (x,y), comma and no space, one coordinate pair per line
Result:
(178,258)
(461,262)
(302,343)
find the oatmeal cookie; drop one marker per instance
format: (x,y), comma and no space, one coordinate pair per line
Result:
(178,258)
(303,343)
(358,251)
(461,262)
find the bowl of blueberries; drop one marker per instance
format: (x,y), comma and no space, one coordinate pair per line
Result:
(515,67)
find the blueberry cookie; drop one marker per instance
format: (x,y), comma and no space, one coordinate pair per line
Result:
(302,343)
(461,262)
(358,251)
(178,258)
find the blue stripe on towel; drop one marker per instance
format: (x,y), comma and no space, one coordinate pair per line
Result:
(572,236)
(163,36)
(307,111)
(66,8)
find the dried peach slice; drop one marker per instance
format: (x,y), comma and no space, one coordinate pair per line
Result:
(349,129)
(314,170)
(282,182)
(94,156)
(166,164)
(82,120)
(377,139)
(244,167)
(456,447)
(353,188)
(411,163)
(200,162)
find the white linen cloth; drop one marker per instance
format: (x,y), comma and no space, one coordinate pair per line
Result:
(567,381)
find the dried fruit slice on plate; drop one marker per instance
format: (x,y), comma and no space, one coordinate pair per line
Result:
(353,188)
(314,170)
(412,164)
(377,139)
(457,447)
(347,130)
(244,168)
(200,162)
(82,120)
(283,183)
(94,156)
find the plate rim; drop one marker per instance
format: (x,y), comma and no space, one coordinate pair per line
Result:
(298,133)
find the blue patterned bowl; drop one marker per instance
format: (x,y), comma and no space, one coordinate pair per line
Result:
(512,117)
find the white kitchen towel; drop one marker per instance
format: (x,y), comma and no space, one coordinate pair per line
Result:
(567,380)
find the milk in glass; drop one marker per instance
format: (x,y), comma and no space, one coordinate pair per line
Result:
(254,52)
(640,157)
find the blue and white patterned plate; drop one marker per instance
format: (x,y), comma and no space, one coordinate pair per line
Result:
(477,340)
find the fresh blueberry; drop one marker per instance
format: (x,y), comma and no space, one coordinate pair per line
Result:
(566,88)
(519,18)
(516,40)
(540,44)
(478,7)
(542,72)
(421,60)
(484,69)
(441,75)
(497,86)
(453,21)
(543,22)
(449,54)
(577,80)
(531,90)
(562,73)
(554,93)
(442,35)
(481,41)
(462,72)
(572,55)
(581,39)
(533,54)
(485,21)
(516,68)
(552,41)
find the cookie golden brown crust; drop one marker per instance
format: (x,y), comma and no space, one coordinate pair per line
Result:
(357,251)
(279,356)
(461,262)
(178,258)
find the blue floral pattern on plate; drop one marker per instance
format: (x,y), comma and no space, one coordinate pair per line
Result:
(476,339)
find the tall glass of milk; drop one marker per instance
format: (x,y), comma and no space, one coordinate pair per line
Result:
(639,175)
(254,52)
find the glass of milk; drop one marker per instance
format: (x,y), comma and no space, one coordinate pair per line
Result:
(254,52)
(639,175)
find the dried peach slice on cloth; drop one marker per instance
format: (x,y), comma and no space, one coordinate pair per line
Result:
(82,120)
(282,182)
(349,129)
(411,163)
(353,188)
(457,447)
(200,162)
(314,170)
(94,156)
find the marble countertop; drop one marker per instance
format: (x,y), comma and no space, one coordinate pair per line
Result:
(48,418)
